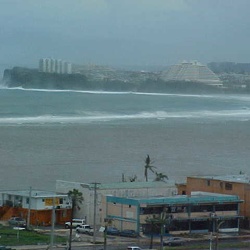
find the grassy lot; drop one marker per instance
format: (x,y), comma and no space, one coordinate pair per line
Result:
(11,237)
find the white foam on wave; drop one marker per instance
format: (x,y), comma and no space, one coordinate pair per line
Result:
(102,117)
(69,90)
(229,97)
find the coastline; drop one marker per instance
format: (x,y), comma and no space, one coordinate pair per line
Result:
(150,83)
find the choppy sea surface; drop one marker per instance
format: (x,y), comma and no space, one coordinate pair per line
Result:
(85,136)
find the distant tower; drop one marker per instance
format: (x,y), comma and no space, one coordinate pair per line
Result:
(47,65)
(62,67)
(67,68)
(52,65)
(42,65)
(58,66)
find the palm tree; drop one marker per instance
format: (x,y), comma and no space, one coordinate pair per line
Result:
(76,198)
(151,221)
(147,167)
(160,176)
(162,220)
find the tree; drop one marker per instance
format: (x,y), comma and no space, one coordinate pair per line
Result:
(151,221)
(76,198)
(147,167)
(160,176)
(162,220)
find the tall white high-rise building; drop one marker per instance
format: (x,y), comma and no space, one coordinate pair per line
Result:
(50,65)
(47,65)
(53,65)
(42,65)
(67,68)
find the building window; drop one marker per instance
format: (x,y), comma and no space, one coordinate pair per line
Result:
(228,186)
(61,201)
(208,183)
(129,206)
(27,200)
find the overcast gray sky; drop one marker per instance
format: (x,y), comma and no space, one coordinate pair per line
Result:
(124,32)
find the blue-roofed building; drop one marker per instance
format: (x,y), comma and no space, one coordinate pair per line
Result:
(118,189)
(198,212)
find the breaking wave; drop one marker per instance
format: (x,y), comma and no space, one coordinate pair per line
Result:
(92,117)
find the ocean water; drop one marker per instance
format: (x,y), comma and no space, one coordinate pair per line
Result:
(99,136)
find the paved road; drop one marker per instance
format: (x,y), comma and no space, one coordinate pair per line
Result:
(121,243)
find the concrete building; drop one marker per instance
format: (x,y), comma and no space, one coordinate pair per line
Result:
(93,194)
(190,71)
(228,184)
(39,203)
(198,212)
(50,65)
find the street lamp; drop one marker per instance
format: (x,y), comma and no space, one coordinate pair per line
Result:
(216,227)
(217,232)
(213,216)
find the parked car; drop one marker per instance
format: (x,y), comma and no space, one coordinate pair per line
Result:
(174,241)
(85,229)
(113,231)
(136,248)
(128,233)
(75,223)
(17,221)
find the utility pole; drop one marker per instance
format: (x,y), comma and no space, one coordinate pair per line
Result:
(95,200)
(28,219)
(52,225)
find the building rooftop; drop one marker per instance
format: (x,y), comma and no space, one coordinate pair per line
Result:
(194,198)
(120,185)
(241,178)
(149,184)
(34,193)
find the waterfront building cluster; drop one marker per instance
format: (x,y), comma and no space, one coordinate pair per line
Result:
(196,206)
(108,74)
(58,66)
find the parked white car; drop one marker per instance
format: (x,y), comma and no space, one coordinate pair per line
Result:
(85,229)
(75,223)
(136,248)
